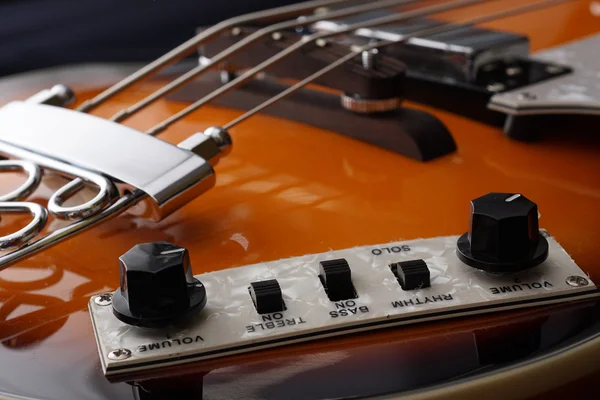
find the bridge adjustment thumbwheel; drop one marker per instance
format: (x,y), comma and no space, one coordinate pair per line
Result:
(157,286)
(503,235)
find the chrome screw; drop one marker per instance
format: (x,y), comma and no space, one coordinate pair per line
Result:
(104,299)
(237,31)
(119,354)
(527,96)
(577,281)
(276,36)
(321,42)
(496,87)
(513,71)
(227,75)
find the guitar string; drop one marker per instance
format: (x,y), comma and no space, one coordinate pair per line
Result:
(190,46)
(135,196)
(208,34)
(247,41)
(286,24)
(426,32)
(422,12)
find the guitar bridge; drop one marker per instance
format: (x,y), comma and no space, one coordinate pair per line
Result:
(62,139)
(126,165)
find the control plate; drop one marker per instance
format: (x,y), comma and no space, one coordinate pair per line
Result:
(230,324)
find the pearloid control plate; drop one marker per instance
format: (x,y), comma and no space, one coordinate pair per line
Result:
(230,324)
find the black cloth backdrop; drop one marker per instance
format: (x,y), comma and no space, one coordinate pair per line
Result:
(44,33)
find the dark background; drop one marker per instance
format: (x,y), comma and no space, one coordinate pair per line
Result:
(44,33)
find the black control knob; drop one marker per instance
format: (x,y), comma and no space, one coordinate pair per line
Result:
(157,286)
(503,234)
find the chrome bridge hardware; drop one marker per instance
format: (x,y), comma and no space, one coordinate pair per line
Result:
(37,136)
(52,138)
(231,323)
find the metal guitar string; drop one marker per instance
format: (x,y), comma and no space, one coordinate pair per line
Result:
(190,45)
(422,12)
(230,51)
(130,198)
(78,183)
(359,50)
(247,41)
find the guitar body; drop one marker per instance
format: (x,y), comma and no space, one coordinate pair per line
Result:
(289,189)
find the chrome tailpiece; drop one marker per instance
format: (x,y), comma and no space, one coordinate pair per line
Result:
(124,165)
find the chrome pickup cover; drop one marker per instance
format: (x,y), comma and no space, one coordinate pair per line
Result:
(160,169)
(456,55)
(230,324)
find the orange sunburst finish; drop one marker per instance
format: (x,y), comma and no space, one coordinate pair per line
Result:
(289,189)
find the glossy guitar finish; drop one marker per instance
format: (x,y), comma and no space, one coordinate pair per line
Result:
(289,189)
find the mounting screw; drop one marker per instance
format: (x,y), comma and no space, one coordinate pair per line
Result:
(321,42)
(119,354)
(64,93)
(577,281)
(104,299)
(527,96)
(276,36)
(496,87)
(227,76)
(237,31)
(514,71)
(220,136)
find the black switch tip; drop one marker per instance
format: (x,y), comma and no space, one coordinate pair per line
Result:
(267,296)
(412,274)
(336,277)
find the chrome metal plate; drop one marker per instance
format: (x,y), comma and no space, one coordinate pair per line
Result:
(230,324)
(574,93)
(158,168)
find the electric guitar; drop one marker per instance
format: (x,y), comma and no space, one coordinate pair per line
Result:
(334,199)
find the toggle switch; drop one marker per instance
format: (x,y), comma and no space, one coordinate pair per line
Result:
(336,278)
(412,274)
(267,296)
